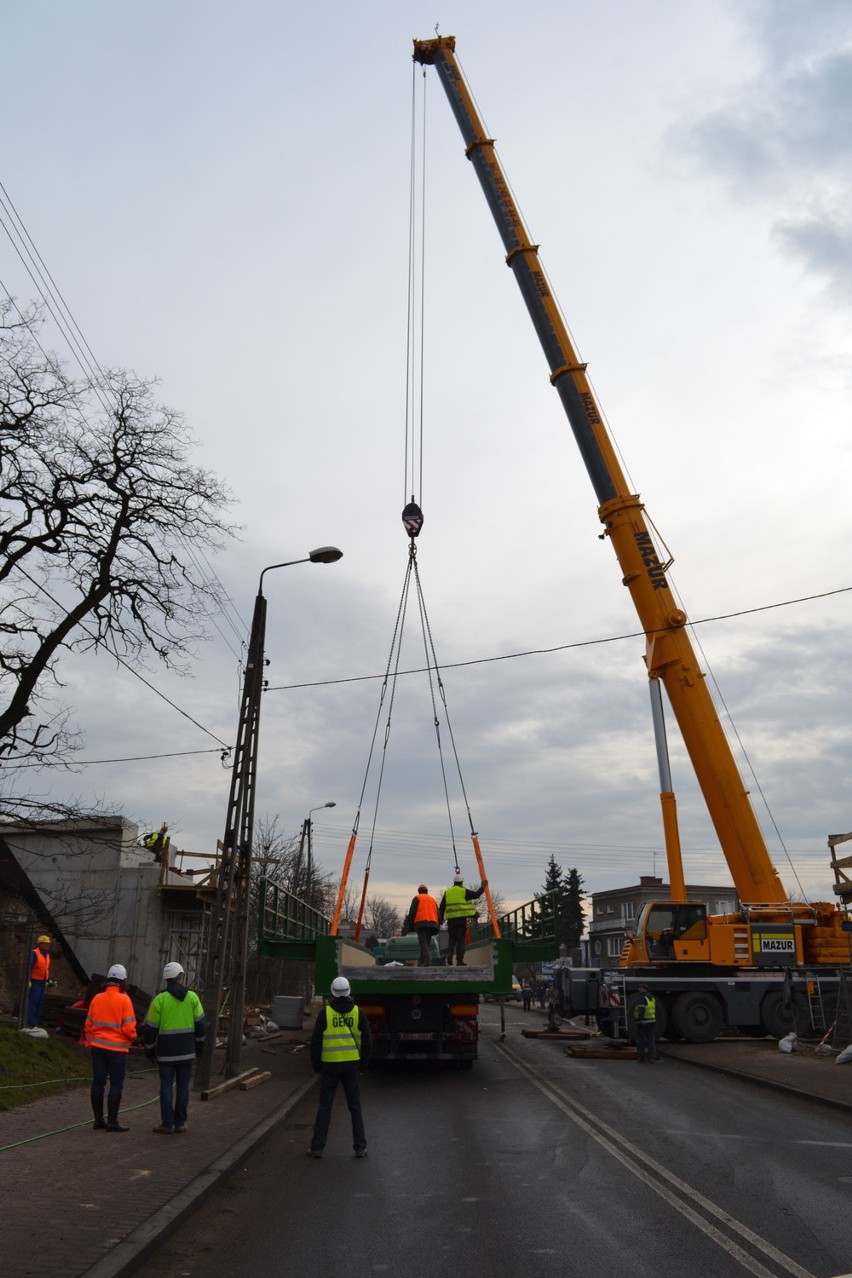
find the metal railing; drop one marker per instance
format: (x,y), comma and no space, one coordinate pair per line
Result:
(532,928)
(284,917)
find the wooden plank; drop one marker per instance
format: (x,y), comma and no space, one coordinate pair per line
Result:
(603,1053)
(253,1082)
(219,1090)
(561,1034)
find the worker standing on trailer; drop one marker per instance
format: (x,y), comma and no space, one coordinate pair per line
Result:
(422,918)
(340,1047)
(456,907)
(645,1020)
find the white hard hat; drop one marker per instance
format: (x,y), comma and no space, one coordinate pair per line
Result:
(172,971)
(117,973)
(340,987)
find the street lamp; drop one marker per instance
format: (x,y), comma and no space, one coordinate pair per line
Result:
(306,852)
(227,946)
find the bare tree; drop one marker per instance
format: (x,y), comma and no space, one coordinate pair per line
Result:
(102,514)
(383,919)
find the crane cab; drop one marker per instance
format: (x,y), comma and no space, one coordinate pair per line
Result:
(670,931)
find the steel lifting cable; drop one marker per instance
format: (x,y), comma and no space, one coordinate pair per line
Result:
(412,518)
(390,680)
(432,665)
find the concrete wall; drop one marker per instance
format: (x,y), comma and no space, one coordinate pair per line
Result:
(101,887)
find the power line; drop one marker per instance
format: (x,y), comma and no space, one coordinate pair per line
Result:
(565,647)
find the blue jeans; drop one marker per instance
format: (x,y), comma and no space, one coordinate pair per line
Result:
(35,998)
(179,1073)
(328,1087)
(646,1040)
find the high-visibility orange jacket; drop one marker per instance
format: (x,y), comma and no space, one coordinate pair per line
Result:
(39,966)
(111,1022)
(427,910)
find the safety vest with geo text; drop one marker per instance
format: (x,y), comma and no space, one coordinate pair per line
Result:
(341,1038)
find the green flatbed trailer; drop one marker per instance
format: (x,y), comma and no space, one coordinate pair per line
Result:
(415,1013)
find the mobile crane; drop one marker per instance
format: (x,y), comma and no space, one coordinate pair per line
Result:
(700,965)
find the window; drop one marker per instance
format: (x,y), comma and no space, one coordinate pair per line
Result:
(628,909)
(613,946)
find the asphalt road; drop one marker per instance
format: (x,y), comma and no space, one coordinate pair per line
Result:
(537,1163)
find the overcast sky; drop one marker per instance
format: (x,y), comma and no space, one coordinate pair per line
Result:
(221,193)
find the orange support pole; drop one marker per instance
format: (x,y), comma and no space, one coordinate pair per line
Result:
(483,876)
(361,906)
(341,891)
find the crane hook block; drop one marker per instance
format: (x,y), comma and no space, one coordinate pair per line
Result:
(412,519)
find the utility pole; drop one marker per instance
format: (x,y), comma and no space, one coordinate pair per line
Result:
(227,946)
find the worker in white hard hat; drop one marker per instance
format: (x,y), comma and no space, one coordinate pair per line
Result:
(456,908)
(110,1031)
(340,1046)
(174,1033)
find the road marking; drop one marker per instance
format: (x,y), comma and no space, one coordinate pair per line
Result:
(826,1144)
(663,1183)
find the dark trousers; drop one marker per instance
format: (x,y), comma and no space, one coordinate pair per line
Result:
(112,1066)
(646,1040)
(328,1088)
(175,1078)
(424,936)
(457,936)
(35,998)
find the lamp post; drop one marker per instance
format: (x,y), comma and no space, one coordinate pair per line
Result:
(227,945)
(305,854)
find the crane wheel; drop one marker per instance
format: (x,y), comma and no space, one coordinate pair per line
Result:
(697,1016)
(780,1017)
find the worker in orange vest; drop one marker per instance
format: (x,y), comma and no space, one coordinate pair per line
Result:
(422,918)
(39,975)
(110,1030)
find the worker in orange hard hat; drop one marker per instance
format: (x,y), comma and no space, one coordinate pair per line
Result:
(39,976)
(422,918)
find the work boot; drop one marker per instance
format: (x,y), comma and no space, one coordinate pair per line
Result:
(117,1127)
(163,1130)
(99,1124)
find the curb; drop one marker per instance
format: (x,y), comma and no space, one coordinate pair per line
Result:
(798,1092)
(128,1254)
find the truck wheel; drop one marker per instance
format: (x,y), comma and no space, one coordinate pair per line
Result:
(781,1018)
(697,1017)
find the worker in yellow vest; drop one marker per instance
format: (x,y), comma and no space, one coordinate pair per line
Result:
(340,1046)
(645,1020)
(456,907)
(39,976)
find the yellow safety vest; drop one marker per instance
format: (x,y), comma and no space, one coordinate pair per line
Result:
(341,1038)
(646,1008)
(456,904)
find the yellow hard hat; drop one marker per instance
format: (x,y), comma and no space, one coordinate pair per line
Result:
(43,940)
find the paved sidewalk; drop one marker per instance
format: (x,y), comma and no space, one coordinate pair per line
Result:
(799,1073)
(74,1201)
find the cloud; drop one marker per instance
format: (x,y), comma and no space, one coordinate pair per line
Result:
(780,136)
